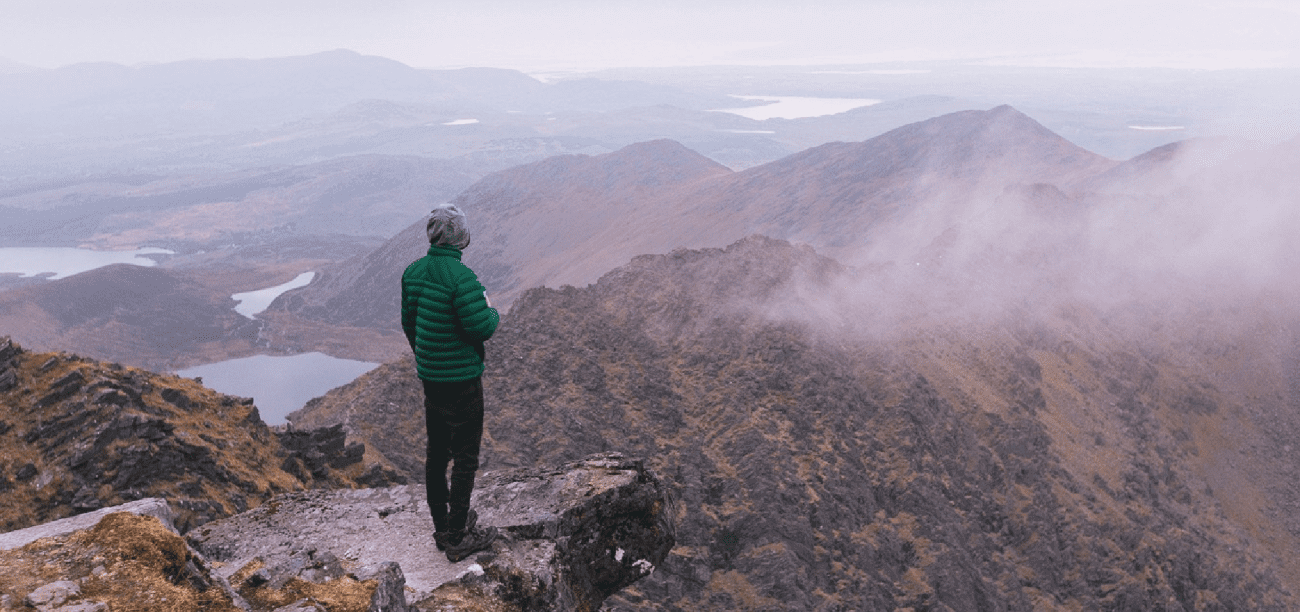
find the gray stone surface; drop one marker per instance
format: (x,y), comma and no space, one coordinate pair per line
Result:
(302,605)
(52,595)
(84,606)
(571,535)
(148,507)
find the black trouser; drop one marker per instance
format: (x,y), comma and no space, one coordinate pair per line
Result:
(453,414)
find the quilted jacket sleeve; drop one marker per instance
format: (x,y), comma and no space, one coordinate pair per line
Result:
(478,321)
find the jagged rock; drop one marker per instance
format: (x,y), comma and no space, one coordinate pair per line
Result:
(571,536)
(177,398)
(8,375)
(8,350)
(390,592)
(26,472)
(318,450)
(379,476)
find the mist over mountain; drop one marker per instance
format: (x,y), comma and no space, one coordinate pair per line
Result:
(1035,377)
(910,355)
(1042,456)
(971,213)
(567,220)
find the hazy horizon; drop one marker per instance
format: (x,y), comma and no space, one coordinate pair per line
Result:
(582,35)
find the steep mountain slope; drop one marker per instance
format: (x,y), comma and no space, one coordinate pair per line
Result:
(568,219)
(540,213)
(77,435)
(1042,455)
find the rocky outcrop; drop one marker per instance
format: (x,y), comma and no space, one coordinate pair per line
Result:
(315,454)
(157,508)
(78,435)
(571,537)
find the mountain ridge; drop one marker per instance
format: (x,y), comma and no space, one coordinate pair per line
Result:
(1035,459)
(524,238)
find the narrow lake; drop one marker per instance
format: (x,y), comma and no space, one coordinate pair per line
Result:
(253,302)
(66,261)
(279,385)
(796,107)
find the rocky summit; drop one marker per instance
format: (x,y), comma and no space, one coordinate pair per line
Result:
(572,535)
(1066,458)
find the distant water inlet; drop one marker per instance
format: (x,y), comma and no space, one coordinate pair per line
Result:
(67,261)
(253,302)
(795,107)
(279,385)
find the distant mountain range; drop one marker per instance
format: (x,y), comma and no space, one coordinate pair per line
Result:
(568,219)
(936,191)
(218,115)
(944,187)
(370,196)
(213,116)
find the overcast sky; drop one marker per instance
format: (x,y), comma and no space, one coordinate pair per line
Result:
(540,35)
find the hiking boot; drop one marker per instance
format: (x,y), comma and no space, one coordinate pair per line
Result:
(440,539)
(469,543)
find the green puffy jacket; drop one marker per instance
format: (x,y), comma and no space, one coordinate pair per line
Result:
(446,316)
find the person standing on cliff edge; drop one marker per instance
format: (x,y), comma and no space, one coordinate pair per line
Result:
(447,317)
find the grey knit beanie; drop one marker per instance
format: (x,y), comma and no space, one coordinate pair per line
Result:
(447,227)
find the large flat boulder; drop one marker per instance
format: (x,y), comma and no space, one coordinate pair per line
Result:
(155,507)
(571,536)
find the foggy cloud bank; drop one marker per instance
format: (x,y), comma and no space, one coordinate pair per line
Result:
(1193,234)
